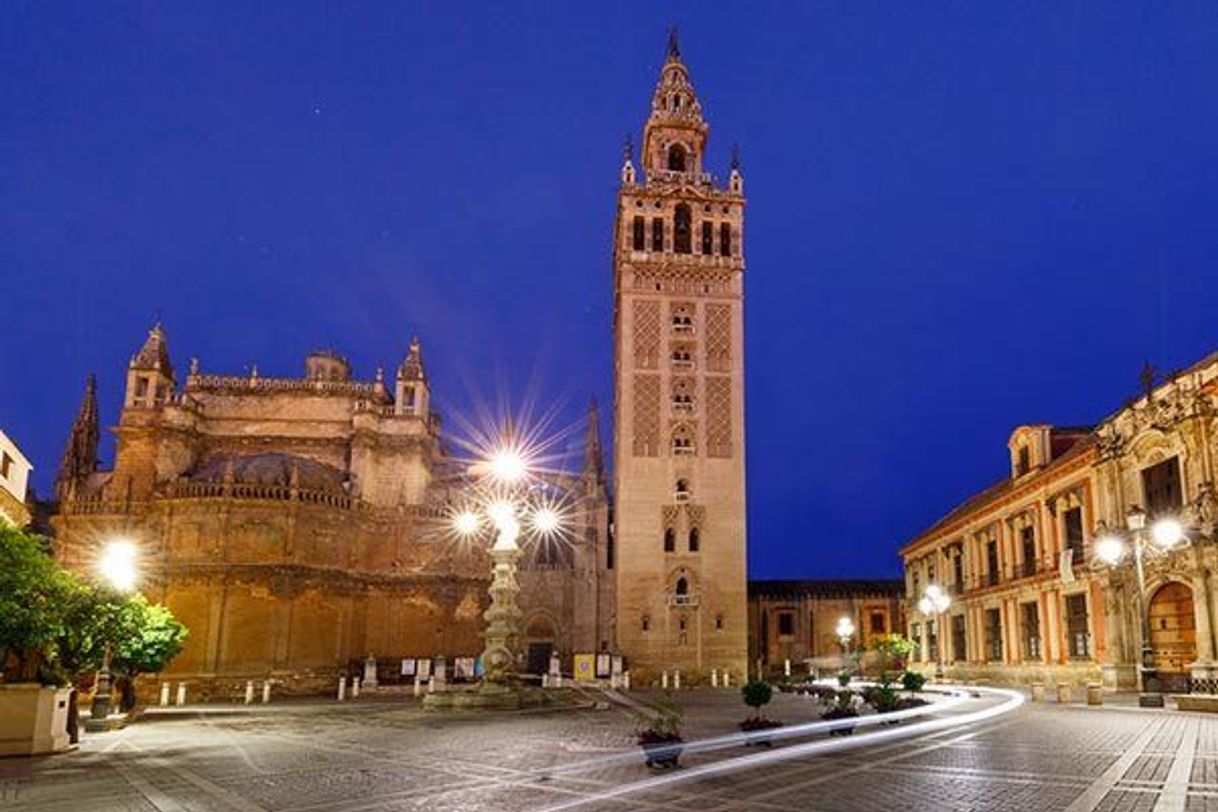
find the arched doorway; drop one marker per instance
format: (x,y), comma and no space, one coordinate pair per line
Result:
(539,637)
(1173,634)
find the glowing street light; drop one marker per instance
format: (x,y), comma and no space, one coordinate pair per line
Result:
(1166,534)
(117,566)
(933,604)
(845,631)
(501,498)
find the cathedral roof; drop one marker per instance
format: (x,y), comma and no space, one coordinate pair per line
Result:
(269,468)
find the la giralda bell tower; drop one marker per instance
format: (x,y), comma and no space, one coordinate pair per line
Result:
(678,262)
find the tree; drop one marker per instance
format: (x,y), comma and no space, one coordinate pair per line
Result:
(892,650)
(34,594)
(145,637)
(756,693)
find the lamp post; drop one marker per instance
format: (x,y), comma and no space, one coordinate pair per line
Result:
(503,499)
(1165,535)
(117,567)
(845,632)
(935,602)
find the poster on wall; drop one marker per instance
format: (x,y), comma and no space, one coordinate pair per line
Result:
(585,667)
(603,662)
(424,669)
(408,667)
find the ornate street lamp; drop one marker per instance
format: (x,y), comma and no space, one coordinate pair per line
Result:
(933,604)
(1166,535)
(505,498)
(845,632)
(118,569)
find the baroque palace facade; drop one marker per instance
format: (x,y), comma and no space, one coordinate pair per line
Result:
(1032,601)
(298,524)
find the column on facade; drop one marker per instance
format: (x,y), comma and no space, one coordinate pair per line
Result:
(1202,609)
(1052,632)
(1042,622)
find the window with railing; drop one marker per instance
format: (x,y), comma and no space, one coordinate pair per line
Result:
(959,639)
(1078,637)
(993,635)
(993,571)
(1072,522)
(1030,617)
(1027,542)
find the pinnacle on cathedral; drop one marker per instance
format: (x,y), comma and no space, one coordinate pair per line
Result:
(412,366)
(80,457)
(154,354)
(594,461)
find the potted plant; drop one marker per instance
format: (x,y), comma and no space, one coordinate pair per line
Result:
(659,734)
(891,651)
(843,709)
(757,693)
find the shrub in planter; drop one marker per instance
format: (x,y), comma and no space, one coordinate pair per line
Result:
(907,702)
(659,733)
(757,693)
(843,678)
(844,709)
(912,681)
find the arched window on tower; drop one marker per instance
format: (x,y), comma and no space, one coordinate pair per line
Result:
(708,238)
(657,234)
(725,239)
(640,240)
(682,588)
(676,158)
(670,540)
(682,492)
(682,230)
(695,539)
(682,441)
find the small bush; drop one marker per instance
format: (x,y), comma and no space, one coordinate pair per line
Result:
(756,693)
(843,678)
(912,681)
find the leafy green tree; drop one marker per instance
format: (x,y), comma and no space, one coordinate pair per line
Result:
(34,592)
(145,637)
(756,693)
(892,650)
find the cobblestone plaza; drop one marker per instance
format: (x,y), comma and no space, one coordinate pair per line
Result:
(391,756)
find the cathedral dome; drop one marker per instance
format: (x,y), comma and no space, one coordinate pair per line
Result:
(270,469)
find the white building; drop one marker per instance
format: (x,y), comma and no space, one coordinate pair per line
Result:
(14,482)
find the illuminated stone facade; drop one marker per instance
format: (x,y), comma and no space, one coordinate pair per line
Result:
(796,621)
(1031,599)
(14,484)
(679,396)
(297,525)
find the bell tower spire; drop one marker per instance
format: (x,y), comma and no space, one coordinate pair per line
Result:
(674,137)
(80,457)
(678,418)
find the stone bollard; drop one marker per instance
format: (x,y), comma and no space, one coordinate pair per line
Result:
(727,679)
(164,694)
(355,687)
(626,681)
(1095,693)
(266,691)
(714,677)
(249,691)
(676,680)
(786,667)
(664,680)
(431,684)
(418,685)
(181,698)
(558,680)
(1038,692)
(1065,692)
(613,682)
(342,688)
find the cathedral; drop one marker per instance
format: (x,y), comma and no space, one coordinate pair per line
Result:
(296,524)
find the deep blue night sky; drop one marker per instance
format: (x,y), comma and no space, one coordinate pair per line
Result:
(962,217)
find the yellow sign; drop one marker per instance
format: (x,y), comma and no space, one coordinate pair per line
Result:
(585,667)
